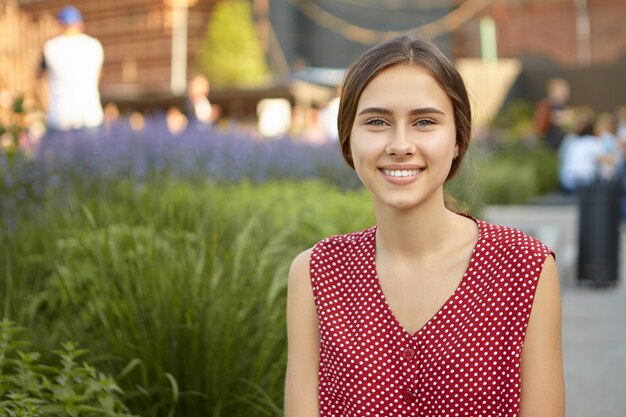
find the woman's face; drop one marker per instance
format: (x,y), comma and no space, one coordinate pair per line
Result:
(403,139)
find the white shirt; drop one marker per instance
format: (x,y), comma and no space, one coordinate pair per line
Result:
(580,161)
(73,64)
(202,109)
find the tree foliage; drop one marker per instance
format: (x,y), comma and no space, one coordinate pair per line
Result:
(231,53)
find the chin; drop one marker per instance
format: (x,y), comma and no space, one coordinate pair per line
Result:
(402,204)
(408,200)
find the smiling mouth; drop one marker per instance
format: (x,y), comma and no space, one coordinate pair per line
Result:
(402,172)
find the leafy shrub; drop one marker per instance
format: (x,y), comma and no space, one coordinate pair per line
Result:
(515,122)
(231,53)
(544,163)
(31,389)
(529,172)
(511,174)
(12,124)
(507,182)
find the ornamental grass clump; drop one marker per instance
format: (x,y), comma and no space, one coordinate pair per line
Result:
(185,280)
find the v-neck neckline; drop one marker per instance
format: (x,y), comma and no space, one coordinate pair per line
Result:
(446,303)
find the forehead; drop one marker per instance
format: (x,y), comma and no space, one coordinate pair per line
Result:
(402,84)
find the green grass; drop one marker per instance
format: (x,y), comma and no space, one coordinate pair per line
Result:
(180,285)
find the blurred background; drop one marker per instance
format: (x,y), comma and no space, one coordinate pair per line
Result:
(159,239)
(297,50)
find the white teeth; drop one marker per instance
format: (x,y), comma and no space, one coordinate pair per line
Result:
(401,172)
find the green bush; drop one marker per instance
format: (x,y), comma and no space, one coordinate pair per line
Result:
(31,389)
(513,174)
(231,53)
(507,182)
(515,122)
(187,281)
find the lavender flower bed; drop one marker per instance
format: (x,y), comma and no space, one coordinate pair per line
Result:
(88,160)
(197,152)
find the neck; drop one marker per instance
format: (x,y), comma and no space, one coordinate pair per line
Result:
(72,31)
(418,232)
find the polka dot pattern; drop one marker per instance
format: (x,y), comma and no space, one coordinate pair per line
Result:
(464,361)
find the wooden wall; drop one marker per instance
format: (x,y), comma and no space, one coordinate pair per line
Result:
(135,35)
(21,38)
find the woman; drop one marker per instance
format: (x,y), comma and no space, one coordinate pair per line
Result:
(426,313)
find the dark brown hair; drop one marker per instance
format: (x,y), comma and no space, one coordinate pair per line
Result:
(405,50)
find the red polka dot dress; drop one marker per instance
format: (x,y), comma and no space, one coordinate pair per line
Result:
(465,361)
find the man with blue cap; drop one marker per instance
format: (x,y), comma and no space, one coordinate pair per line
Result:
(72,62)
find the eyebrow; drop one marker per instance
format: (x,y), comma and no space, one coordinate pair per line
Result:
(413,112)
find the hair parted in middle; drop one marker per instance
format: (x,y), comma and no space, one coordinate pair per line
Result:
(407,49)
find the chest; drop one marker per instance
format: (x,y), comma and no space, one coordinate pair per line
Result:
(415,292)
(463,349)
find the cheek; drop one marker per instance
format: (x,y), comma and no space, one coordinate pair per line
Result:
(439,149)
(363,154)
(441,152)
(364,150)
(356,146)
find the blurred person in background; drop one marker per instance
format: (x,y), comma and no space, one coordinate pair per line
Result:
(606,130)
(176,120)
(111,115)
(620,133)
(583,157)
(198,108)
(621,124)
(548,117)
(274,117)
(72,62)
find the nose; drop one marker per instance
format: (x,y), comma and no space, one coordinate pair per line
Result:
(399,144)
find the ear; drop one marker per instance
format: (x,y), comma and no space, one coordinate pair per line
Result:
(347,152)
(456,151)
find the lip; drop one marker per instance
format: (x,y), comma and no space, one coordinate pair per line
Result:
(404,180)
(401,166)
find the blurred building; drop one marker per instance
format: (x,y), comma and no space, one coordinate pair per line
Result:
(571,33)
(331,33)
(506,49)
(151,45)
(583,41)
(141,39)
(151,50)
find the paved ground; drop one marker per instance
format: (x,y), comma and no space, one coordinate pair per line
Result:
(594,319)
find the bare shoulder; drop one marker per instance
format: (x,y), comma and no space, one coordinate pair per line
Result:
(299,286)
(301,261)
(299,271)
(548,285)
(546,311)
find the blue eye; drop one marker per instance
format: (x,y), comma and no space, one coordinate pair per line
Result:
(425,122)
(375,122)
